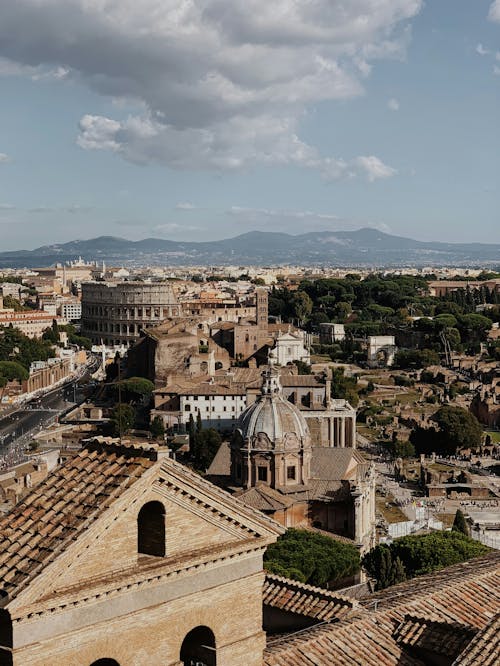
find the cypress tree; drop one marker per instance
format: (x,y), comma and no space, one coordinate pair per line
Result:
(460,524)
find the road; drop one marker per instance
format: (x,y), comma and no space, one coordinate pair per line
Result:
(17,427)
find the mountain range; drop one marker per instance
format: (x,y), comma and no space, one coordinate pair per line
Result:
(363,247)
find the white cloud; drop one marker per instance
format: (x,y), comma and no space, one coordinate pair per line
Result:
(224,83)
(272,212)
(482,50)
(173,228)
(496,70)
(58,73)
(393,104)
(374,168)
(494,13)
(185,205)
(4,158)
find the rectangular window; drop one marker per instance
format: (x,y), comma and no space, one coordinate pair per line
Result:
(262,473)
(290,472)
(187,408)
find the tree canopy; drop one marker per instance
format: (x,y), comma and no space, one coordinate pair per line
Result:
(122,419)
(311,557)
(458,428)
(419,554)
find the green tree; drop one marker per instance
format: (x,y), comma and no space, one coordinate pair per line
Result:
(122,419)
(206,444)
(191,431)
(404,449)
(311,557)
(460,524)
(458,428)
(135,389)
(199,422)
(420,554)
(157,428)
(303,367)
(11,370)
(343,387)
(302,306)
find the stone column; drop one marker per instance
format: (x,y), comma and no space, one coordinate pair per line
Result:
(342,432)
(357,519)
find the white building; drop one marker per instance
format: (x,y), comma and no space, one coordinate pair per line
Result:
(290,347)
(71,310)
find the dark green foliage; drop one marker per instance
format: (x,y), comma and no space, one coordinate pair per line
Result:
(11,303)
(11,370)
(343,387)
(135,389)
(399,449)
(206,443)
(15,346)
(52,334)
(416,358)
(460,524)
(302,367)
(420,554)
(74,338)
(311,558)
(385,568)
(122,419)
(302,306)
(157,428)
(458,428)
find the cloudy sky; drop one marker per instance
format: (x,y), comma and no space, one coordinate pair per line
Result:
(199,119)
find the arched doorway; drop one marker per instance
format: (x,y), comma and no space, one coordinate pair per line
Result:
(151,529)
(198,648)
(105,662)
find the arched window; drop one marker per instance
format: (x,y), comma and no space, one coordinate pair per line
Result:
(151,529)
(198,648)
(105,662)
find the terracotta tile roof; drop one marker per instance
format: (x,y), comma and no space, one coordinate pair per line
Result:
(301,380)
(265,498)
(467,594)
(333,463)
(484,650)
(61,507)
(314,602)
(448,639)
(362,642)
(221,464)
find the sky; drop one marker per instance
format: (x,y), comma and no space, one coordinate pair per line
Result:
(204,119)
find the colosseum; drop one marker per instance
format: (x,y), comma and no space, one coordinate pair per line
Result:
(114,313)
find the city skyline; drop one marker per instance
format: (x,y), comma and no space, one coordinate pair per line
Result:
(149,119)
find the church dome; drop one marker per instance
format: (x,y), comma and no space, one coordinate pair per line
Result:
(275,417)
(272,421)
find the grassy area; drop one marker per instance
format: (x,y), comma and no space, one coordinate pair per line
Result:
(495,436)
(391,512)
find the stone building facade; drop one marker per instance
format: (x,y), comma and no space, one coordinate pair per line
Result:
(121,556)
(116,313)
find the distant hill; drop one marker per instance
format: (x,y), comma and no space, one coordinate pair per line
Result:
(364,247)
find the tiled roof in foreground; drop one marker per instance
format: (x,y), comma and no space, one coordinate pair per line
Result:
(437,637)
(485,648)
(466,594)
(62,506)
(307,600)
